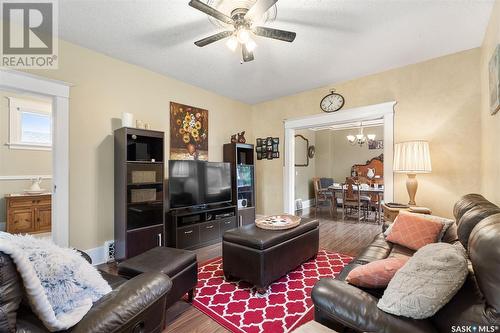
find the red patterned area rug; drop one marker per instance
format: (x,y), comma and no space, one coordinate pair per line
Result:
(238,307)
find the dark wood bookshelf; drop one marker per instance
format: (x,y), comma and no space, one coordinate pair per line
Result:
(139,191)
(241,155)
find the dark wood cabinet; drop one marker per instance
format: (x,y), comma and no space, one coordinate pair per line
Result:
(195,228)
(139,191)
(241,158)
(141,240)
(246,216)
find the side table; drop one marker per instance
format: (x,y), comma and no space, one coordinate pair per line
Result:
(390,213)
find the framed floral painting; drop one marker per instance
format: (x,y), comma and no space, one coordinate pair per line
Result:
(188,132)
(494,74)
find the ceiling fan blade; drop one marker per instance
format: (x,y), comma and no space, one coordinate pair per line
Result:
(211,39)
(247,55)
(210,11)
(258,9)
(286,36)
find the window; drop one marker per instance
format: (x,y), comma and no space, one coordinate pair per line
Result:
(30,124)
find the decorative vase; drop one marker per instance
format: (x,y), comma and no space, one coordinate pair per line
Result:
(371,173)
(35,184)
(127,119)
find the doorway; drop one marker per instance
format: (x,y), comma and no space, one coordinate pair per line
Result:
(381,113)
(56,94)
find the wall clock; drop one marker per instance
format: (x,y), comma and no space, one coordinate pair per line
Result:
(332,102)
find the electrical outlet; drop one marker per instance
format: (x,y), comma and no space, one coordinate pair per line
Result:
(110,250)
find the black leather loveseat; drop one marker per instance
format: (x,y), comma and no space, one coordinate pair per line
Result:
(135,306)
(346,308)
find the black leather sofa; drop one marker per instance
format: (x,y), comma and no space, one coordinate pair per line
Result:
(135,306)
(346,308)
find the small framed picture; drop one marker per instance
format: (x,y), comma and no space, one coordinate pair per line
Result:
(269,141)
(269,148)
(276,155)
(258,149)
(259,142)
(269,155)
(276,140)
(275,147)
(259,156)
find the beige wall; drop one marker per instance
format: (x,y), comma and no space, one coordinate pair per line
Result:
(18,162)
(338,155)
(303,175)
(490,170)
(438,100)
(324,153)
(104,88)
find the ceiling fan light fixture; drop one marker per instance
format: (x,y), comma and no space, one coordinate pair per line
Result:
(371,137)
(243,35)
(232,43)
(251,45)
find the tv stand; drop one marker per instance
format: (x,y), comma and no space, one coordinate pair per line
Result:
(196,227)
(200,207)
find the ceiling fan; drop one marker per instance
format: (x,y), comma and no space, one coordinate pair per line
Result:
(242,20)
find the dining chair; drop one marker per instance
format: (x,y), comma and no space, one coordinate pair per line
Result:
(322,193)
(372,204)
(352,199)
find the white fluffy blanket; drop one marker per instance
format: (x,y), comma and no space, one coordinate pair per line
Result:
(60,284)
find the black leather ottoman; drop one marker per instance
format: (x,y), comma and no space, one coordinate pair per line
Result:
(179,265)
(261,256)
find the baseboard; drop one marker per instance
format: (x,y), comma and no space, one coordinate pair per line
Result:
(97,254)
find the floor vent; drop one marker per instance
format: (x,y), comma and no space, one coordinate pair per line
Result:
(110,250)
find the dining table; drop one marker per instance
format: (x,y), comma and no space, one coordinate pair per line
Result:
(378,192)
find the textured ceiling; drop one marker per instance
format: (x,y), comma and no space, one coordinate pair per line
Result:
(337,40)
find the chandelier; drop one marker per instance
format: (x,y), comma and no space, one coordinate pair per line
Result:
(360,139)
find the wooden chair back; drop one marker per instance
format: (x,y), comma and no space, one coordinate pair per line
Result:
(349,191)
(316,186)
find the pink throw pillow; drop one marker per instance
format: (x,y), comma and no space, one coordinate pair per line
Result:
(376,274)
(413,231)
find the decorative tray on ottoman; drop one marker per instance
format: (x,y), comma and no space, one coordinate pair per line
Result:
(278,222)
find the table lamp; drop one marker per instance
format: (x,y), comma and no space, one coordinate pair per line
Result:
(412,157)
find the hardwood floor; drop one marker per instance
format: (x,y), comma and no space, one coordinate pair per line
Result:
(348,237)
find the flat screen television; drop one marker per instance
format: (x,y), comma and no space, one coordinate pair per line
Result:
(198,183)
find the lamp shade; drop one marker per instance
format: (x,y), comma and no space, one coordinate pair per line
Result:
(412,157)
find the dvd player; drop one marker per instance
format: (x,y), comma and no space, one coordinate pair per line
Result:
(223,215)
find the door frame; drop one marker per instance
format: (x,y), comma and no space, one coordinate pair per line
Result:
(383,111)
(58,91)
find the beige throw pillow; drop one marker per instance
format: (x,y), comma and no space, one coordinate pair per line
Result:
(427,282)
